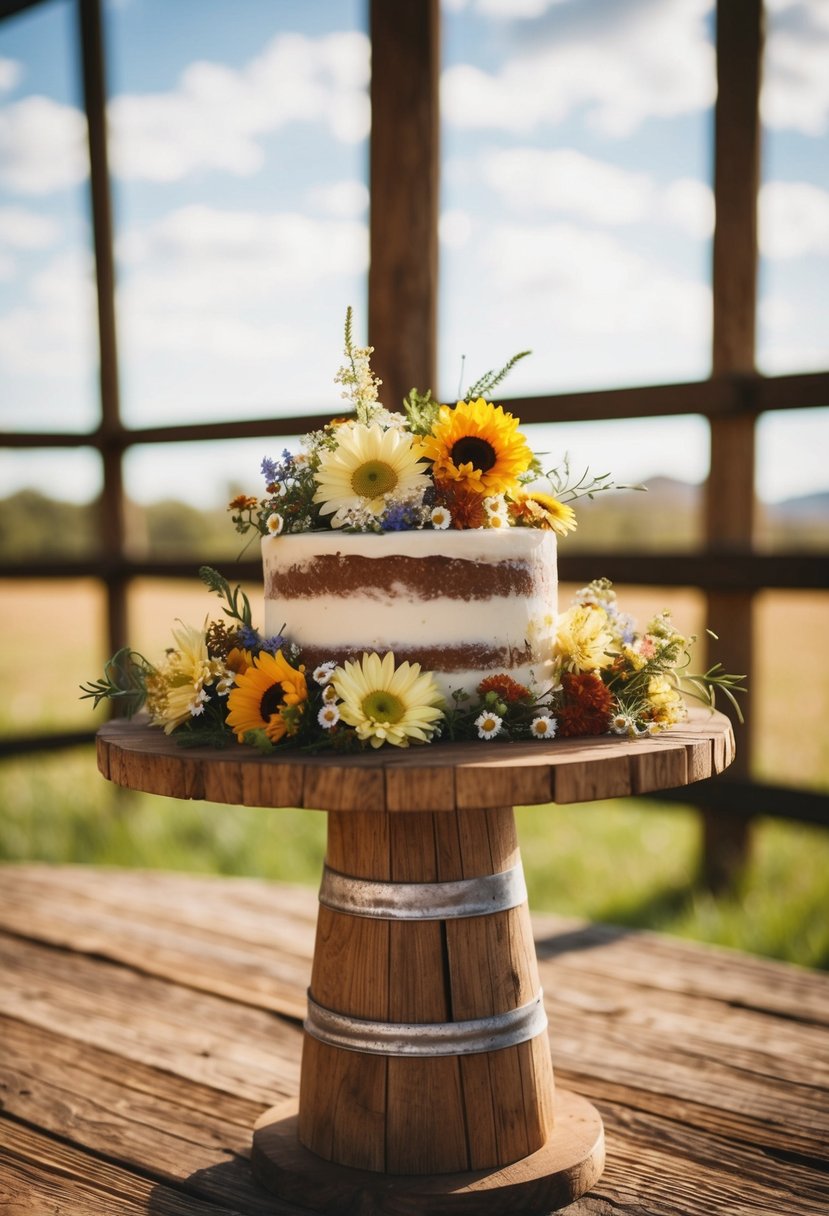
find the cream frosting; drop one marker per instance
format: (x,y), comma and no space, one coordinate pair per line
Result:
(421,603)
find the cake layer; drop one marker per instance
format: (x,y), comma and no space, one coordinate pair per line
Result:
(464,604)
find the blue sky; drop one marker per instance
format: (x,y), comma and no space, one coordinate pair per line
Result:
(576,218)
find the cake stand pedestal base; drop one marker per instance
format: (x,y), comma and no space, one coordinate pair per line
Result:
(566,1167)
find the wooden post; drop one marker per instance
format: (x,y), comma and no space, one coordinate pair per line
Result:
(111,522)
(730,496)
(429,1113)
(402,305)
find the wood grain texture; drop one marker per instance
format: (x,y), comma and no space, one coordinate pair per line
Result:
(437,778)
(129,1089)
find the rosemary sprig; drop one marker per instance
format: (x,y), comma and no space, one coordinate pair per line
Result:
(238,604)
(491,379)
(124,680)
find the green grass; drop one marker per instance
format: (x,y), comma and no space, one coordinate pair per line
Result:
(623,862)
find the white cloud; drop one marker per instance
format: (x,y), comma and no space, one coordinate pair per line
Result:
(51,335)
(42,146)
(22,229)
(567,182)
(688,204)
(201,279)
(621,63)
(11,73)
(345,199)
(793,219)
(218,115)
(454,228)
(796,81)
(591,283)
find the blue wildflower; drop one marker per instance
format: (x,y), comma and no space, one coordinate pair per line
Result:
(270,470)
(400,518)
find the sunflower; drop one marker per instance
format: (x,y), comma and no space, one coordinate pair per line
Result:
(536,510)
(477,444)
(386,704)
(261,695)
(367,467)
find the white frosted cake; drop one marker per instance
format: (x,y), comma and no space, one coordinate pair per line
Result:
(464,604)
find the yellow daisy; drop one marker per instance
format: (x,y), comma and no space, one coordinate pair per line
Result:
(176,691)
(479,445)
(262,693)
(387,704)
(536,510)
(583,639)
(365,468)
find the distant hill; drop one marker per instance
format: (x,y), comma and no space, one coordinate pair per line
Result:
(668,516)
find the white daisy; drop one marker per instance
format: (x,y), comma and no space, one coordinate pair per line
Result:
(324,673)
(543,727)
(328,716)
(367,466)
(488,725)
(274,523)
(329,693)
(441,518)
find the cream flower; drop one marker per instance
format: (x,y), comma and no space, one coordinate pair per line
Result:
(666,704)
(177,693)
(583,639)
(388,704)
(367,466)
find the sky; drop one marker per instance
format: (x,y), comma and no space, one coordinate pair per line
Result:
(576,221)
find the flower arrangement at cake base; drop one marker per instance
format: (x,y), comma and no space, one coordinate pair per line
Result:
(414,554)
(226,683)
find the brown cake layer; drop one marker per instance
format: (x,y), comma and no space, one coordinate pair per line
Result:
(424,578)
(469,657)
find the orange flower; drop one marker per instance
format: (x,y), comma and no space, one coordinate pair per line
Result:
(465,507)
(508,690)
(586,705)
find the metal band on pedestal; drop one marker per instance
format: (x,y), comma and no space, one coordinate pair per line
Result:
(427,1038)
(423,900)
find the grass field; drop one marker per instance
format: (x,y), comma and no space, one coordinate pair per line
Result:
(626,862)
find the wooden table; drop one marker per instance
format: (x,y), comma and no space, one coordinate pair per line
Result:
(146,1019)
(413,865)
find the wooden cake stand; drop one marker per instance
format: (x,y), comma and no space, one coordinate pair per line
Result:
(426,1083)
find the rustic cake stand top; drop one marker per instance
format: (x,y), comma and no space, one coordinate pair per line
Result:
(440,777)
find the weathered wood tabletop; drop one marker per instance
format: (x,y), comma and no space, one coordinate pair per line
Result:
(147,1019)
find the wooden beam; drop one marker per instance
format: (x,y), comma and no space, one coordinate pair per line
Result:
(112,524)
(403,273)
(730,502)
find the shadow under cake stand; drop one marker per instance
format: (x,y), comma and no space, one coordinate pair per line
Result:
(426,1083)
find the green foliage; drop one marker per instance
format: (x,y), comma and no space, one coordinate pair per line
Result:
(124,681)
(421,410)
(492,378)
(238,604)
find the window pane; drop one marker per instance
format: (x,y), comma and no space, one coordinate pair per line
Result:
(576,209)
(239,157)
(669,456)
(49,507)
(794,198)
(792,479)
(45,695)
(48,338)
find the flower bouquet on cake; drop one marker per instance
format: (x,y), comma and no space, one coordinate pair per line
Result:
(410,596)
